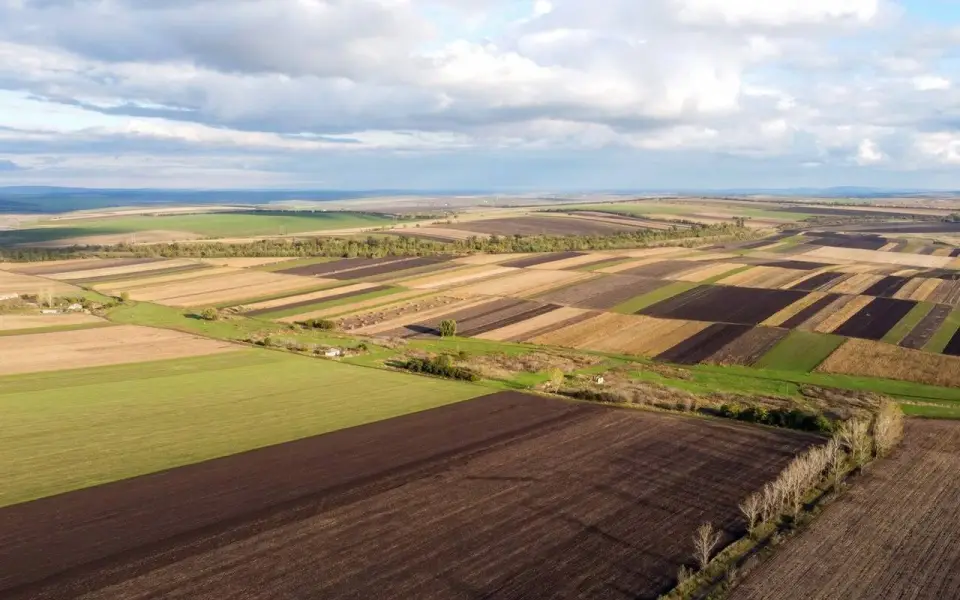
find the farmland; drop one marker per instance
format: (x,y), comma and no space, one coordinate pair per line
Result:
(893,536)
(466,490)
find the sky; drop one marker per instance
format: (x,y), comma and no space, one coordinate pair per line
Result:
(533,95)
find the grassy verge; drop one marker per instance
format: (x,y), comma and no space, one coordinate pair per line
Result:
(800,351)
(907,323)
(729,273)
(646,300)
(946,332)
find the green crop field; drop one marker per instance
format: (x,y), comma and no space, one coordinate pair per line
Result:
(946,332)
(907,323)
(77,428)
(206,225)
(800,351)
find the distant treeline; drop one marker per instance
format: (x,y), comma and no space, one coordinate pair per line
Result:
(380,246)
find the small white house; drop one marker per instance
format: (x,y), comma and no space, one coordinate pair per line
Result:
(49,311)
(75,307)
(333,352)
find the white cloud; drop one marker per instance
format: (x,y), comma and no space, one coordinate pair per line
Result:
(779,13)
(869,153)
(942,147)
(926,83)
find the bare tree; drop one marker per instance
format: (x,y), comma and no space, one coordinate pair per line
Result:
(752,507)
(887,427)
(855,437)
(704,541)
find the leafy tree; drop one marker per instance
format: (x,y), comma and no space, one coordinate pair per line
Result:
(210,314)
(124,297)
(448,328)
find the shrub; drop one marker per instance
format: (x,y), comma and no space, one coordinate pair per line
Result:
(440,366)
(323,324)
(448,328)
(210,314)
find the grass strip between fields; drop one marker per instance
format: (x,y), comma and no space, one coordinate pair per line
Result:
(54,328)
(289,312)
(603,265)
(908,322)
(946,332)
(78,428)
(729,273)
(800,351)
(639,303)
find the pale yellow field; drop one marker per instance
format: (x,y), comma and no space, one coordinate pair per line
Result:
(518,330)
(457,276)
(630,264)
(18,283)
(708,271)
(486,259)
(888,247)
(764,277)
(127,285)
(627,334)
(906,272)
(918,289)
(649,252)
(872,359)
(576,261)
(954,264)
(346,289)
(144,268)
(65,263)
(33,321)
(840,317)
(237,285)
(942,251)
(875,256)
(353,308)
(523,283)
(794,309)
(856,284)
(242,262)
(57,351)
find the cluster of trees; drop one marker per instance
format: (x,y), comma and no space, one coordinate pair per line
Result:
(778,417)
(322,324)
(441,366)
(448,328)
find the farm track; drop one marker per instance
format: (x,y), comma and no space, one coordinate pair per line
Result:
(893,536)
(505,496)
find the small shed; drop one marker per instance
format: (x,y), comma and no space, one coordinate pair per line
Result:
(49,311)
(333,352)
(75,307)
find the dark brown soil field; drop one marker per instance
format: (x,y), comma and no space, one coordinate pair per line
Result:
(892,536)
(542,226)
(102,263)
(273,309)
(800,265)
(701,346)
(507,496)
(886,287)
(955,253)
(819,281)
(540,259)
(478,319)
(604,292)
(947,293)
(876,319)
(748,348)
(953,348)
(808,313)
(473,329)
(744,306)
(664,268)
(397,266)
(839,240)
(931,227)
(326,268)
(926,328)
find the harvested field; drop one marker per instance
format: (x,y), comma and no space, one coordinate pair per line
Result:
(818,282)
(856,285)
(923,332)
(604,292)
(625,334)
(543,226)
(886,287)
(426,505)
(242,262)
(457,276)
(578,262)
(542,323)
(892,536)
(13,322)
(948,292)
(309,297)
(662,268)
(136,267)
(115,287)
(791,311)
(742,306)
(838,314)
(18,283)
(190,268)
(764,277)
(831,309)
(563,323)
(748,348)
(708,272)
(393,267)
(487,259)
(61,350)
(237,285)
(917,289)
(628,265)
(353,308)
(393,315)
(439,234)
(305,304)
(475,320)
(800,265)
(523,283)
(338,266)
(875,319)
(874,256)
(76,264)
(811,311)
(873,359)
(542,259)
(704,344)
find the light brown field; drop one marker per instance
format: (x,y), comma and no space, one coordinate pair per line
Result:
(632,264)
(18,283)
(875,256)
(708,271)
(764,277)
(345,289)
(860,268)
(626,334)
(353,308)
(523,283)
(942,251)
(399,314)
(518,330)
(441,232)
(893,535)
(242,262)
(127,285)
(648,252)
(141,237)
(794,309)
(487,259)
(457,276)
(576,261)
(144,268)
(33,321)
(954,264)
(66,263)
(874,359)
(856,284)
(906,272)
(56,351)
(919,289)
(236,285)
(888,247)
(840,317)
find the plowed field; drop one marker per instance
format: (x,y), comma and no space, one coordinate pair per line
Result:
(893,536)
(702,345)
(604,292)
(875,319)
(875,359)
(925,329)
(742,306)
(507,496)
(749,347)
